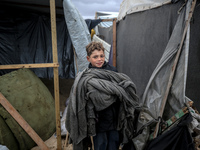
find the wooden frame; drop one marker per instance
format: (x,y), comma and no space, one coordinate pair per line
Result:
(114,39)
(55,66)
(14,113)
(114,42)
(173,69)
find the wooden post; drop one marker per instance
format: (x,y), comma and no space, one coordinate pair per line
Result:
(114,42)
(92,141)
(56,75)
(13,112)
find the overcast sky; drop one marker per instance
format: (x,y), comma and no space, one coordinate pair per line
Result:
(87,8)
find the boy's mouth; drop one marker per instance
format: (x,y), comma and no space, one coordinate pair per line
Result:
(99,63)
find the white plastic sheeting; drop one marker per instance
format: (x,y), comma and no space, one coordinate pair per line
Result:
(132,6)
(3,147)
(79,34)
(105,45)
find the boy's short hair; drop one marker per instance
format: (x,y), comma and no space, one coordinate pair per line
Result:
(94,46)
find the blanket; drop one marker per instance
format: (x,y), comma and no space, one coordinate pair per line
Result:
(96,89)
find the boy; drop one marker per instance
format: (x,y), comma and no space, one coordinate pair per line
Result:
(107,137)
(97,95)
(96,57)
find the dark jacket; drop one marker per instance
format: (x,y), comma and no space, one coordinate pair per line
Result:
(106,66)
(107,118)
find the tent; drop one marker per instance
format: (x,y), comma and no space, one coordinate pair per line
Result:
(142,38)
(26,25)
(106,15)
(149,35)
(30,31)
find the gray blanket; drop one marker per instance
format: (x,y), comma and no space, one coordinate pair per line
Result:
(96,89)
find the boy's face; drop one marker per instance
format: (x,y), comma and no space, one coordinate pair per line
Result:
(97,58)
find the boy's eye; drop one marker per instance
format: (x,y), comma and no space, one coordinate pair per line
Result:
(97,56)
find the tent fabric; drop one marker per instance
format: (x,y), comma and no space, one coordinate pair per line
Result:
(92,23)
(106,34)
(26,39)
(193,75)
(178,138)
(133,6)
(145,35)
(142,38)
(155,90)
(2,147)
(106,15)
(79,34)
(111,56)
(32,99)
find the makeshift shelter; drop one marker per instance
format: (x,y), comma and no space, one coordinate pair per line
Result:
(34,35)
(149,34)
(106,15)
(142,38)
(12,32)
(26,36)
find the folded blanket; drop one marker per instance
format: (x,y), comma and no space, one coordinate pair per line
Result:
(96,89)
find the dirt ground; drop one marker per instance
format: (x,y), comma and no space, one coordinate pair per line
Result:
(64,88)
(52,144)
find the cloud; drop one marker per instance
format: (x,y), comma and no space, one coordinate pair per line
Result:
(89,7)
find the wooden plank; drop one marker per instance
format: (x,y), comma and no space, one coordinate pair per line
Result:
(107,20)
(13,112)
(18,66)
(56,75)
(114,42)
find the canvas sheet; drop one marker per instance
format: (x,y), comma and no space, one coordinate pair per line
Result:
(133,6)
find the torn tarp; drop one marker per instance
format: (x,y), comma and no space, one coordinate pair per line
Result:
(178,138)
(92,23)
(79,34)
(26,39)
(155,90)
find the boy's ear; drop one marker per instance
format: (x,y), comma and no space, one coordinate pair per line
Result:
(88,58)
